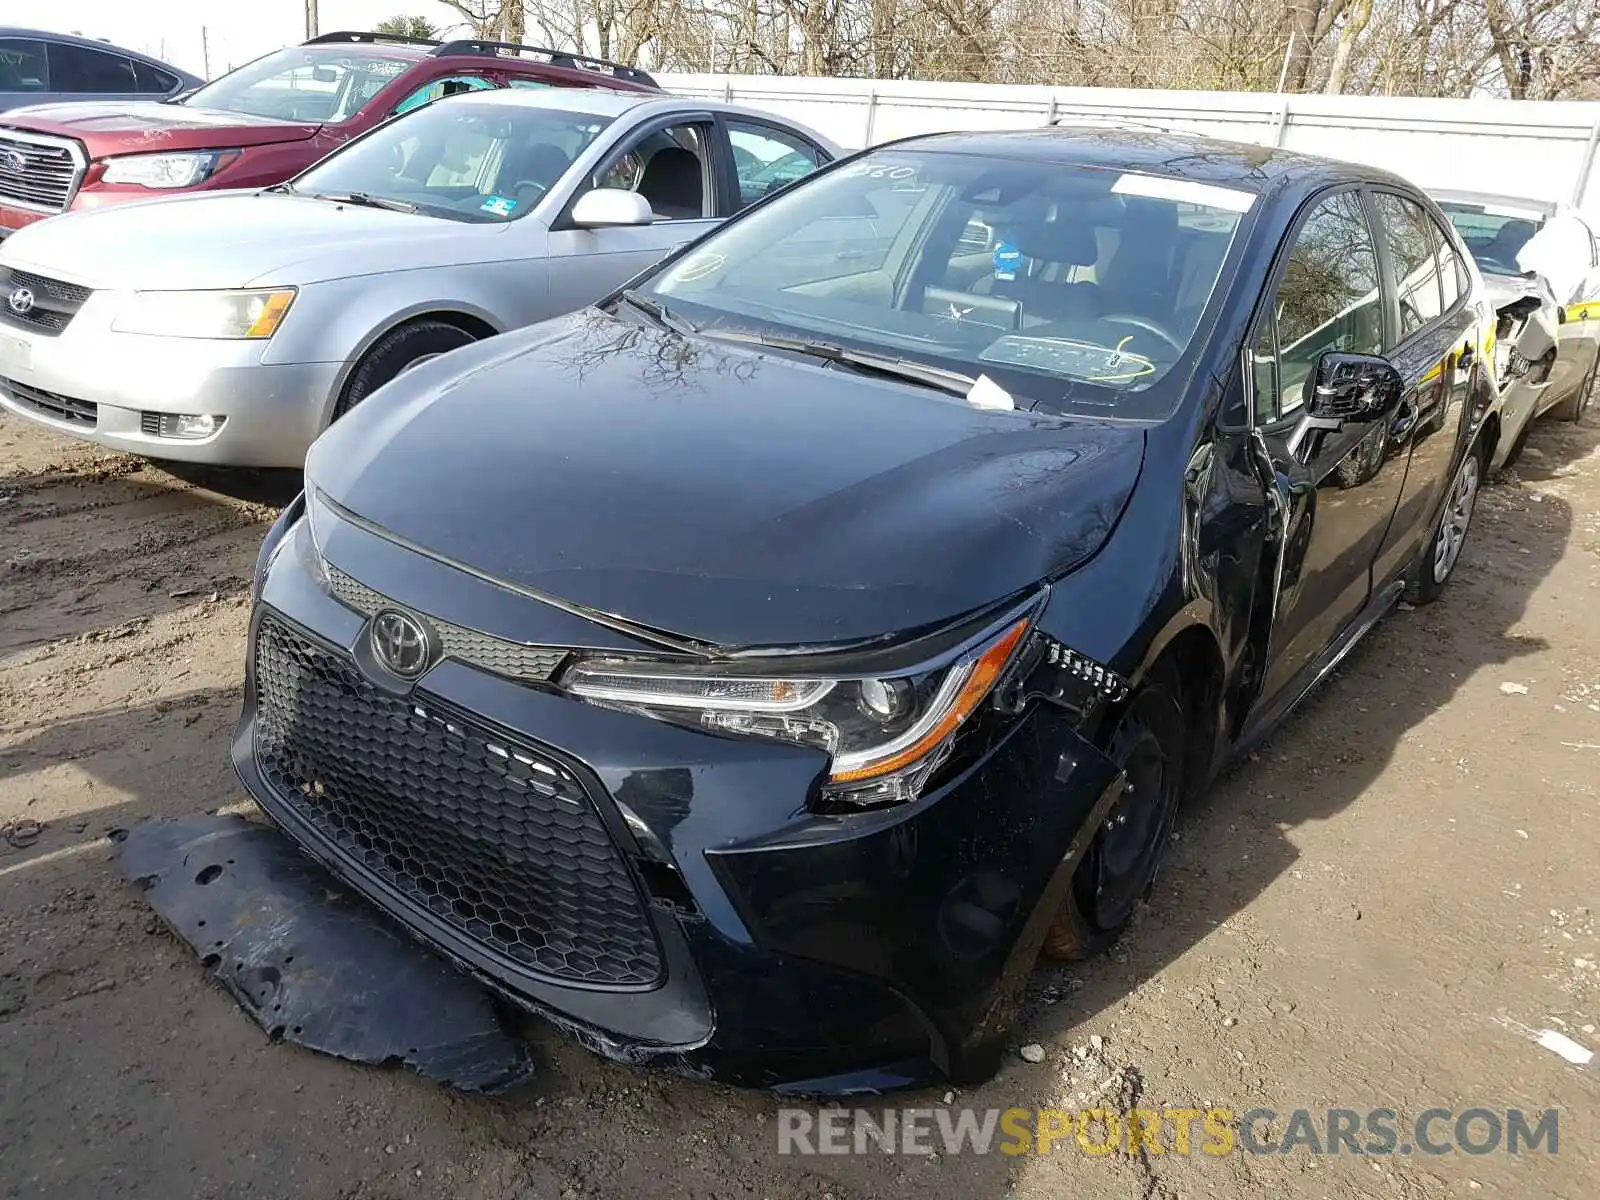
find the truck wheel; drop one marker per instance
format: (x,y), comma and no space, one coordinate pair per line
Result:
(397,351)
(1120,865)
(1439,556)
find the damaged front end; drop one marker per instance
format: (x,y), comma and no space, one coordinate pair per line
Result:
(1526,329)
(710,868)
(309,961)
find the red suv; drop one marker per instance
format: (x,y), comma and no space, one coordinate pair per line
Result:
(261,124)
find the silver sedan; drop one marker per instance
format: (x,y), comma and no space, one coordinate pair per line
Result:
(231,328)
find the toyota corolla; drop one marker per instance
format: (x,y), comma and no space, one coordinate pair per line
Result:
(756,673)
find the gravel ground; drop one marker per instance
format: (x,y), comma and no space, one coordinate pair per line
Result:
(1371,912)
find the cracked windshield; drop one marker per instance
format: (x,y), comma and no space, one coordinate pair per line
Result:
(1033,274)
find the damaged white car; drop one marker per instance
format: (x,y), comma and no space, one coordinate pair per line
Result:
(1541,265)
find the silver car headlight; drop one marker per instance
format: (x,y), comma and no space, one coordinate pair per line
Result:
(886,734)
(229,315)
(167,170)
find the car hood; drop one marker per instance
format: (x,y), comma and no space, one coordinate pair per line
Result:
(237,239)
(726,497)
(143,128)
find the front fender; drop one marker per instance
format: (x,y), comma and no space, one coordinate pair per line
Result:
(338,321)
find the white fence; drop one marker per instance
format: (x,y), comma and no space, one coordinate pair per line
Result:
(1540,149)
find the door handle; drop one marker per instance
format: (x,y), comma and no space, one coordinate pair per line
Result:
(1403,420)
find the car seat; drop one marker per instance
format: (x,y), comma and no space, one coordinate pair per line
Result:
(529,171)
(1138,279)
(1050,248)
(672,183)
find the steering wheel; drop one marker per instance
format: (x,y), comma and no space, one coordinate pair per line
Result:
(1146,324)
(536,189)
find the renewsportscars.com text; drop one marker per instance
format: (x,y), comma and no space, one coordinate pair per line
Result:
(1376,1132)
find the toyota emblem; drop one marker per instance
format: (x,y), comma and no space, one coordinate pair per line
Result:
(401,643)
(12,163)
(20,301)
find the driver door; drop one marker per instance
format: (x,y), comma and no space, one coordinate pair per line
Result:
(675,165)
(1337,488)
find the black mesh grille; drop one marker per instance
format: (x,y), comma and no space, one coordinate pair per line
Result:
(52,404)
(497,839)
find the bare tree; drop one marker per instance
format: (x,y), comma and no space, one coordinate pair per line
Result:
(1543,49)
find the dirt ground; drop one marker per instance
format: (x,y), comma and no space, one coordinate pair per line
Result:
(1371,912)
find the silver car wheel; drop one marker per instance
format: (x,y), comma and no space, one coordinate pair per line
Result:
(1457,517)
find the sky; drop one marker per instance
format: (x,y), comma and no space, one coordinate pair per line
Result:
(234,32)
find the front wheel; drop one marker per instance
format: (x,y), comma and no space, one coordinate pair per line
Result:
(395,352)
(1438,560)
(1120,865)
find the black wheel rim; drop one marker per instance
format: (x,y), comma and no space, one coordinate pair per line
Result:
(1127,845)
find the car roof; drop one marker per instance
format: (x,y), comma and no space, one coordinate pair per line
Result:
(604,102)
(1519,204)
(72,39)
(1192,156)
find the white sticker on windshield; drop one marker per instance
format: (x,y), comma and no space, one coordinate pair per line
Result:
(986,393)
(1186,191)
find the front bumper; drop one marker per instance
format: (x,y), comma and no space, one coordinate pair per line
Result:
(798,951)
(90,382)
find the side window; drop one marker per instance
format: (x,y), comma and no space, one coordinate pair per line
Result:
(767,159)
(439,88)
(1414,254)
(153,81)
(79,69)
(1264,371)
(22,66)
(1453,275)
(1328,300)
(669,168)
(529,83)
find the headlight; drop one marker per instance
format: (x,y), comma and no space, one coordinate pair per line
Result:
(205,314)
(886,734)
(272,545)
(167,170)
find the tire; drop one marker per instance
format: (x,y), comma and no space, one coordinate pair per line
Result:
(1574,406)
(1120,865)
(397,351)
(1438,559)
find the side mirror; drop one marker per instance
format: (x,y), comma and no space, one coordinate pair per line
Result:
(604,208)
(1354,387)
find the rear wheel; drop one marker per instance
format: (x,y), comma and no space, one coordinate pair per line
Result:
(1573,407)
(395,352)
(1438,559)
(1120,865)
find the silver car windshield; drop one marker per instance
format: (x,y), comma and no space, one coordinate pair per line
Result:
(304,84)
(463,161)
(1038,272)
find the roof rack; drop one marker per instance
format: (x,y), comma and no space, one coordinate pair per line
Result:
(557,58)
(360,37)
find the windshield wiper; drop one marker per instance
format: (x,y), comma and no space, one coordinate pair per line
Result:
(657,312)
(367,200)
(944,380)
(286,188)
